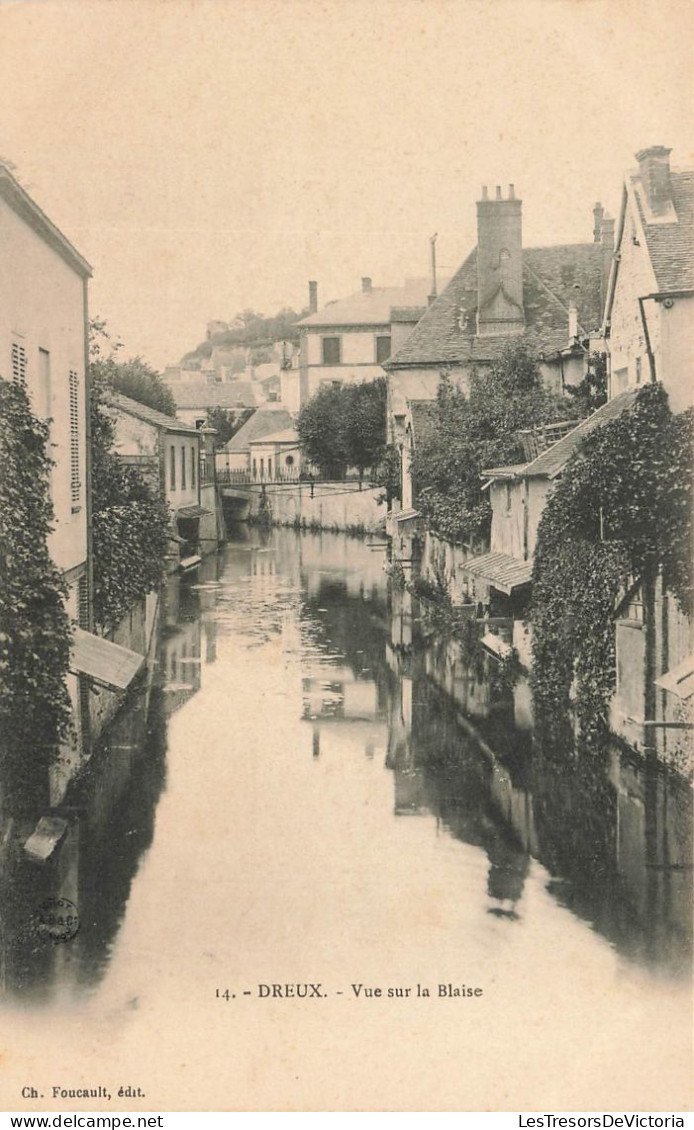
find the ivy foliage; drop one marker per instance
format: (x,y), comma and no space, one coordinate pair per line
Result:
(35,632)
(621,511)
(130,521)
(473,432)
(345,426)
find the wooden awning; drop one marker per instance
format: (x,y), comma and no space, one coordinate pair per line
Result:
(679,680)
(501,571)
(103,661)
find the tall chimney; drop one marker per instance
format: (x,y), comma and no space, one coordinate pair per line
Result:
(607,244)
(499,264)
(312,297)
(366,285)
(654,170)
(598,213)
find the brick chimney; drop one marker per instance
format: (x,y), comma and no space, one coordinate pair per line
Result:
(366,285)
(598,213)
(654,171)
(312,297)
(499,264)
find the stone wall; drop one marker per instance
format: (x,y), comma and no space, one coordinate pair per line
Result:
(338,506)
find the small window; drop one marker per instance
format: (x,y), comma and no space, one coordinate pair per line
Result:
(255,469)
(192,467)
(289,461)
(382,348)
(262,468)
(638,370)
(172,467)
(332,350)
(509,497)
(183,468)
(269,468)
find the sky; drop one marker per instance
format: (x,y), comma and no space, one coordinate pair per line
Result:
(207,156)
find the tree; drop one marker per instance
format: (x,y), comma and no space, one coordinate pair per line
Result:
(591,393)
(345,426)
(227,422)
(366,423)
(470,433)
(134,378)
(322,435)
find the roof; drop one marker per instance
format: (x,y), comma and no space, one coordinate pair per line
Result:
(671,244)
(202,394)
(553,461)
(22,204)
(407,314)
(512,471)
(502,571)
(554,278)
(372,307)
(289,435)
(263,422)
(423,420)
(193,511)
(105,662)
(151,415)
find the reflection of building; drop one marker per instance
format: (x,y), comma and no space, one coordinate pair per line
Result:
(180,652)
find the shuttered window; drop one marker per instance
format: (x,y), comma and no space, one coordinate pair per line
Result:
(74,438)
(19,363)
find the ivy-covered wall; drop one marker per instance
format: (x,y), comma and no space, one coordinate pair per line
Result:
(35,713)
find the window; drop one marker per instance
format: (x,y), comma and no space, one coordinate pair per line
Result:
(262,468)
(44,393)
(289,461)
(269,468)
(382,348)
(172,467)
(509,497)
(183,468)
(192,467)
(19,364)
(73,386)
(638,370)
(332,350)
(255,469)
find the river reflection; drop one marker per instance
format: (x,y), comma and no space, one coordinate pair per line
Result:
(384,731)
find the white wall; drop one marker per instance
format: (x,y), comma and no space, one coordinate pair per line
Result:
(42,308)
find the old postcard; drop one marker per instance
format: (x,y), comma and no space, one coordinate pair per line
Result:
(346,357)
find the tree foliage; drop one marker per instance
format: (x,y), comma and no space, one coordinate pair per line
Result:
(134,378)
(622,509)
(130,521)
(227,422)
(473,432)
(34,625)
(253,330)
(345,426)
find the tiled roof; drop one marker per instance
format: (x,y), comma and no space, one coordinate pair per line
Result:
(502,571)
(263,422)
(671,245)
(553,461)
(554,278)
(201,394)
(422,413)
(151,415)
(371,307)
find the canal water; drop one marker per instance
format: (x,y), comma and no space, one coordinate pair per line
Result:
(312,789)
